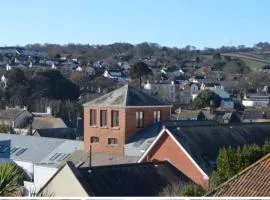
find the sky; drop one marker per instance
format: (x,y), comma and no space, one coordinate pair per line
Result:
(173,23)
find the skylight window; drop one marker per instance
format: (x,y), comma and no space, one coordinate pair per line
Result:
(55,156)
(21,151)
(63,157)
(13,150)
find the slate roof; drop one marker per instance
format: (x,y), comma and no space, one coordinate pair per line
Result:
(10,113)
(138,179)
(64,133)
(47,122)
(37,149)
(254,181)
(125,96)
(201,139)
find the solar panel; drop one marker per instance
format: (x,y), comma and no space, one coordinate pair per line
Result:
(21,151)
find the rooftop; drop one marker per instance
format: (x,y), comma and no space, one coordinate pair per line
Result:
(81,158)
(37,149)
(254,181)
(201,139)
(126,96)
(64,133)
(137,179)
(47,122)
(10,113)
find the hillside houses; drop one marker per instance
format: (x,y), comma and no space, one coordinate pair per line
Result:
(130,139)
(257,98)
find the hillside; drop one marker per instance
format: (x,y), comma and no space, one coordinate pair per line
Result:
(251,59)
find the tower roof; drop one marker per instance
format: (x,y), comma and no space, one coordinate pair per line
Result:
(126,96)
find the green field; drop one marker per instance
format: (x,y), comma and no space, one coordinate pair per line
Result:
(253,64)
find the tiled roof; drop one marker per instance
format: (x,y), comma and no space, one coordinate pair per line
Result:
(126,96)
(253,181)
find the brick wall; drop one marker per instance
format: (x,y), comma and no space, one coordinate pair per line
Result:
(104,132)
(167,149)
(127,127)
(148,113)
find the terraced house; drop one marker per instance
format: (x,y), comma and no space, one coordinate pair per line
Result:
(111,120)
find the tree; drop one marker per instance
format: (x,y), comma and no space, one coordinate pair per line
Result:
(10,178)
(231,161)
(179,189)
(206,98)
(216,56)
(140,69)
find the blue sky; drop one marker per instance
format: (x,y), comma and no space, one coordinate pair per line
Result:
(174,23)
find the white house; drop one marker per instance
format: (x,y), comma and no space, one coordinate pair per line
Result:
(3,81)
(116,75)
(167,91)
(257,98)
(79,69)
(8,67)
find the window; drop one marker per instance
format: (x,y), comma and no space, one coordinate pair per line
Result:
(63,157)
(94,139)
(93,117)
(112,141)
(56,155)
(13,150)
(20,152)
(115,118)
(103,118)
(139,119)
(156,116)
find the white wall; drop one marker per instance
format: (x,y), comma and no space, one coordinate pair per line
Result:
(42,174)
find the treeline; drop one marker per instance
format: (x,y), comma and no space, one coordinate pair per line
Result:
(37,89)
(127,51)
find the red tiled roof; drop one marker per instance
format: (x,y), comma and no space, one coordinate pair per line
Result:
(252,181)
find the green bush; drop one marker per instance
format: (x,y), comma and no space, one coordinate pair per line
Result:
(231,161)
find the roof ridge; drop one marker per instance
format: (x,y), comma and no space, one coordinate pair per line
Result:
(240,173)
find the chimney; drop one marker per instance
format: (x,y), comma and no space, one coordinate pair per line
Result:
(49,110)
(25,108)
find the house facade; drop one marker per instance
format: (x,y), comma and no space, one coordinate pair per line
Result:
(111,120)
